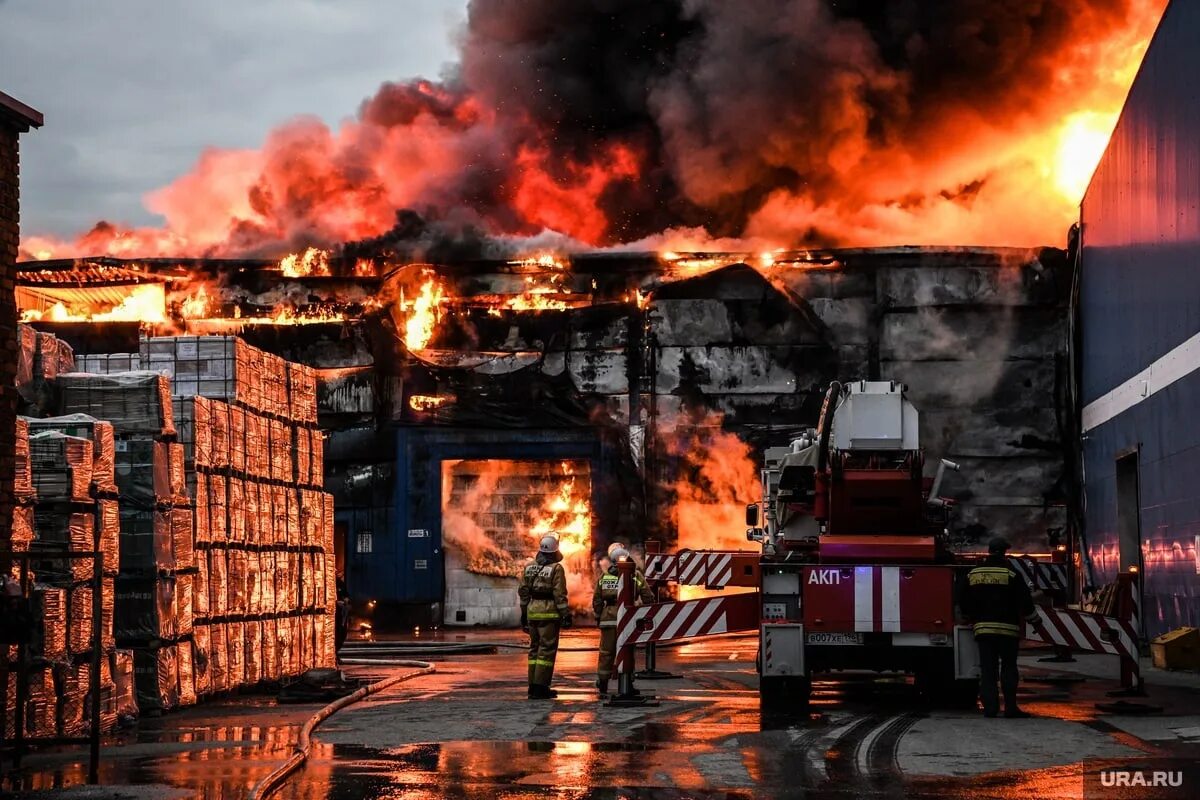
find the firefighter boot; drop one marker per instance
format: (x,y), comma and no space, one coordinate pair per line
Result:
(602,686)
(539,692)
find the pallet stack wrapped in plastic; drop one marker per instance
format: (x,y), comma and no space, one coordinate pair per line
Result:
(264,593)
(66,503)
(41,357)
(157,567)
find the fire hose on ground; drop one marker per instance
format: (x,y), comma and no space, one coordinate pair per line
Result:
(265,787)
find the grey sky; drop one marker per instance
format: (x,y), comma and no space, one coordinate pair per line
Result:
(133,90)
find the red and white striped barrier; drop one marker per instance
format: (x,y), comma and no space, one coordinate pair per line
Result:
(712,568)
(672,621)
(1095,633)
(1041,575)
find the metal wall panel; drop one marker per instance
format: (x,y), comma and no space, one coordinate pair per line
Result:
(1140,298)
(1163,428)
(1141,215)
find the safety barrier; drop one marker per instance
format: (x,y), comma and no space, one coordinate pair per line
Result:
(1096,633)
(1041,575)
(672,621)
(711,568)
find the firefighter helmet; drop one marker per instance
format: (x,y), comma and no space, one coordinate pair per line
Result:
(549,544)
(998,546)
(618,554)
(614,546)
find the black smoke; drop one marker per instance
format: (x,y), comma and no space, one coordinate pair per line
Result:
(729,102)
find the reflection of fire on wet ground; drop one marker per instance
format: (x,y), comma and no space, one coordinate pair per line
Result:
(495,512)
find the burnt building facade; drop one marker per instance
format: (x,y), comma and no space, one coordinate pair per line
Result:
(470,407)
(661,390)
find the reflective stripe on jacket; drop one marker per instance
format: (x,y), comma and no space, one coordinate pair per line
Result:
(997,599)
(543,591)
(604,597)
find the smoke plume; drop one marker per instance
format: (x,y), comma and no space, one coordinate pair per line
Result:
(793,122)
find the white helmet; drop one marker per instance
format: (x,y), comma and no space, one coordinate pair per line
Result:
(549,544)
(615,546)
(618,554)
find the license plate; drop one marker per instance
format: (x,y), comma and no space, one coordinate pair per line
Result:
(834,638)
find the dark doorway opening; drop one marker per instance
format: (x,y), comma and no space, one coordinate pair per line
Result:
(1129,517)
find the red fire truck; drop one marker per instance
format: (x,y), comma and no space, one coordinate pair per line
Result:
(856,572)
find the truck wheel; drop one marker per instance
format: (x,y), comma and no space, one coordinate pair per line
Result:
(785,690)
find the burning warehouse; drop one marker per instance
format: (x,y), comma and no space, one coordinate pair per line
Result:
(747,318)
(470,406)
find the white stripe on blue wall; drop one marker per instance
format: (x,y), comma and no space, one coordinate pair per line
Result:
(1178,363)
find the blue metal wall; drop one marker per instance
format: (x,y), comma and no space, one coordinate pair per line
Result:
(1169,501)
(406,564)
(1139,299)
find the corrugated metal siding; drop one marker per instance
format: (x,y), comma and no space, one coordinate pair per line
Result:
(1141,215)
(1169,501)
(1140,298)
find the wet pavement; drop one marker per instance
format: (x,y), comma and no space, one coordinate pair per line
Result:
(468,731)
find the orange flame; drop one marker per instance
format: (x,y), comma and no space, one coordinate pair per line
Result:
(428,402)
(423,315)
(146,303)
(312,261)
(567,516)
(1005,175)
(481,520)
(717,479)
(196,306)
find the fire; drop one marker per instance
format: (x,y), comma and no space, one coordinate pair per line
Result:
(428,402)
(312,261)
(638,298)
(567,516)
(1083,138)
(544,260)
(498,521)
(973,124)
(717,478)
(285,315)
(423,315)
(690,265)
(196,306)
(146,303)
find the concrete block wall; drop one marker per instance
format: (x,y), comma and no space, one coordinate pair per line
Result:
(979,337)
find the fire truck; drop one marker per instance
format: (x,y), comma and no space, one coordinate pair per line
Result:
(854,569)
(856,572)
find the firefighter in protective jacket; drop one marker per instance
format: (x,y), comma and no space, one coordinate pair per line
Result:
(997,600)
(604,605)
(544,610)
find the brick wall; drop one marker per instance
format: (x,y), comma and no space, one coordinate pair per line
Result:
(9,234)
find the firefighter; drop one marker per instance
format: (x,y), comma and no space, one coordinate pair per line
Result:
(544,610)
(637,570)
(997,600)
(604,605)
